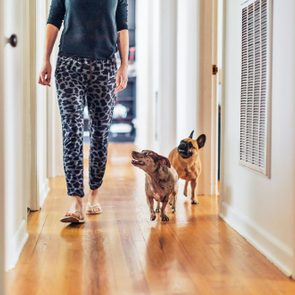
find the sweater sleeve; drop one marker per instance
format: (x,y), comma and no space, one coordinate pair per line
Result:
(122,15)
(56,13)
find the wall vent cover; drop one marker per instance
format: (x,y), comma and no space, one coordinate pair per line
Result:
(256,86)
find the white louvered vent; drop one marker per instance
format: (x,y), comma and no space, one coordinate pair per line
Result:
(255,85)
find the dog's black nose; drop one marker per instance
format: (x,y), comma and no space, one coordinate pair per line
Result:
(182,146)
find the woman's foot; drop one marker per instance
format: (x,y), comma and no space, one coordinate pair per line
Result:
(93,207)
(75,214)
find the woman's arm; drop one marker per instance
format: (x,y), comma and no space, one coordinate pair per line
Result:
(45,74)
(123,43)
(54,22)
(122,76)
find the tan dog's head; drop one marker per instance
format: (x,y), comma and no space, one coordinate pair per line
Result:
(149,161)
(189,147)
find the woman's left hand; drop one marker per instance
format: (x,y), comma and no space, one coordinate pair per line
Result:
(121,78)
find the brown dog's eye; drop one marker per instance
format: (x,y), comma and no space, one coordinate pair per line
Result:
(148,153)
(190,145)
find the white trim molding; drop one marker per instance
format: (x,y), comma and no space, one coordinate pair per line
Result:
(274,250)
(16,245)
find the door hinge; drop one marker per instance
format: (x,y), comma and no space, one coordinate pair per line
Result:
(214,69)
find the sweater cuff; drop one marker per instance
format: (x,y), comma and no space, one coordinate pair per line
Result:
(54,23)
(121,27)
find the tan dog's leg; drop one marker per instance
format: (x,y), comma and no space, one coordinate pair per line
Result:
(185,188)
(164,217)
(151,205)
(193,188)
(173,201)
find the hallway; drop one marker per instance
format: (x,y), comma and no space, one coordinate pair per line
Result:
(121,252)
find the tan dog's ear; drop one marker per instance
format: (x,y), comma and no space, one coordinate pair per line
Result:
(164,161)
(201,140)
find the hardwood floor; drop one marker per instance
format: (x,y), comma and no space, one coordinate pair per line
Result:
(122,252)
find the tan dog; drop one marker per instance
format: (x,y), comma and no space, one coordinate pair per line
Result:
(186,161)
(160,183)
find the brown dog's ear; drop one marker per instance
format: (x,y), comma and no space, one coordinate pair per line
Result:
(164,161)
(191,135)
(201,140)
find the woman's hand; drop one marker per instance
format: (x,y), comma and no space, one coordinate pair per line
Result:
(45,74)
(121,78)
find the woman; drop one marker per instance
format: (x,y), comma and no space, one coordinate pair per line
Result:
(86,74)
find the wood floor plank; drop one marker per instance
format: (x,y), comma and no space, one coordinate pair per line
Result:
(122,252)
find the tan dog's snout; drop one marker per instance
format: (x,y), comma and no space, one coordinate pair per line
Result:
(189,146)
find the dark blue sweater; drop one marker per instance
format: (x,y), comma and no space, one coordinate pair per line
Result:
(90,26)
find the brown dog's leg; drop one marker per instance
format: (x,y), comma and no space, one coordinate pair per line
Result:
(193,188)
(151,205)
(158,207)
(185,188)
(164,217)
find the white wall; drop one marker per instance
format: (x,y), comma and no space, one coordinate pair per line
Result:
(156,75)
(166,106)
(144,60)
(262,209)
(188,62)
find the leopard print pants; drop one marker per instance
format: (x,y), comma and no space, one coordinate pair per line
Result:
(80,82)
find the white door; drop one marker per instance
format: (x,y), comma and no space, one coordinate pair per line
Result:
(13,69)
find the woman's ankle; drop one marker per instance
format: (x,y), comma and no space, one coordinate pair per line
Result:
(93,196)
(78,203)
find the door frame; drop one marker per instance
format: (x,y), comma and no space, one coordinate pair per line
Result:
(220,25)
(30,119)
(214,98)
(2,189)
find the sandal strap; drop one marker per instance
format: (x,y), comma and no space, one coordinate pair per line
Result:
(93,206)
(77,212)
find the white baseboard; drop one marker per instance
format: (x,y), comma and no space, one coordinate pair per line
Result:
(273,249)
(16,245)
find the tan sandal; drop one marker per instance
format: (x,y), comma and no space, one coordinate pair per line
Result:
(73,217)
(93,209)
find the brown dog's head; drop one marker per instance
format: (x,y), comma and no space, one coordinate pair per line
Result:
(149,161)
(189,147)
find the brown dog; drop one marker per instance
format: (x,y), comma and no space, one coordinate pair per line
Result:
(160,183)
(186,161)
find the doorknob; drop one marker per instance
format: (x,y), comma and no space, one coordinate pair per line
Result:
(12,40)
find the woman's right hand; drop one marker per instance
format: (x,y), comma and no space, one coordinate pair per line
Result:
(45,74)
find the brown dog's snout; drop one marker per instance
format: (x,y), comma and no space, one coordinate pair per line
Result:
(137,159)
(135,154)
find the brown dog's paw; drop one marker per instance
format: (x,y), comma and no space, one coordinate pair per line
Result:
(164,218)
(194,202)
(153,217)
